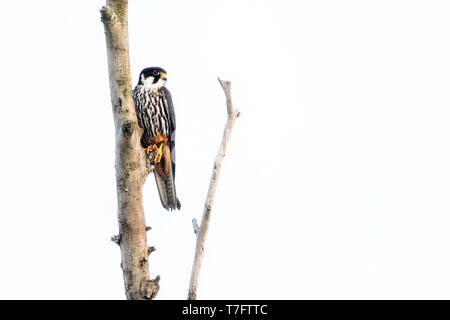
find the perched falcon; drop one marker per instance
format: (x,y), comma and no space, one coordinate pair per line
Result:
(156,116)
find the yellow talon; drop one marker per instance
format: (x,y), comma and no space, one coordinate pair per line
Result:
(158,155)
(149,148)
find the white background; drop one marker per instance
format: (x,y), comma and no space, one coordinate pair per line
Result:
(336,182)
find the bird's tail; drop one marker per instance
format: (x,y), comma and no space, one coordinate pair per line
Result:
(167,192)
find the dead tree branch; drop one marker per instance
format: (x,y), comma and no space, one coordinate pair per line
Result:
(203,229)
(131,165)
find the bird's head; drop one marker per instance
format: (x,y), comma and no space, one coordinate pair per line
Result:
(153,78)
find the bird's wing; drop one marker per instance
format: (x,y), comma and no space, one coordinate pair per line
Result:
(166,187)
(172,124)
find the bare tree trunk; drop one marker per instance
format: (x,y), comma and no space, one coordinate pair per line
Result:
(202,231)
(131,165)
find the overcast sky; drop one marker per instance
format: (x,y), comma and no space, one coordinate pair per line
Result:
(336,183)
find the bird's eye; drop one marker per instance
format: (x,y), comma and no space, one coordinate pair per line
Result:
(155,72)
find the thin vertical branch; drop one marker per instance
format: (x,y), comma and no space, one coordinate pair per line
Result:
(201,231)
(131,166)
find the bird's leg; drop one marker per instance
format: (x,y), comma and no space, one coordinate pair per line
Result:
(159,153)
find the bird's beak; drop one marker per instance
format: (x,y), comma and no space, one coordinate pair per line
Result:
(163,76)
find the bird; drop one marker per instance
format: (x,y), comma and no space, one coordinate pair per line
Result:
(156,116)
